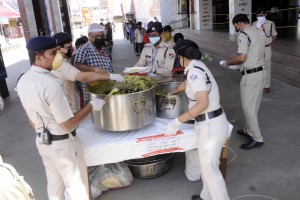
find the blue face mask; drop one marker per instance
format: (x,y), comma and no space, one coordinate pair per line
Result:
(154,40)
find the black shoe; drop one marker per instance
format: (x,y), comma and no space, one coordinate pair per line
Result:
(251,144)
(241,132)
(196,197)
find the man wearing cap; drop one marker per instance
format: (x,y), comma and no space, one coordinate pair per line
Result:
(93,56)
(250,59)
(43,98)
(269,34)
(69,74)
(167,37)
(158,56)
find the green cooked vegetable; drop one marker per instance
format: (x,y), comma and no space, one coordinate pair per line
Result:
(132,84)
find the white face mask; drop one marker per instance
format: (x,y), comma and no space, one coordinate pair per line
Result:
(154,40)
(260,21)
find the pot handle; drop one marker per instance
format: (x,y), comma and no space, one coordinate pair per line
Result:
(137,109)
(167,103)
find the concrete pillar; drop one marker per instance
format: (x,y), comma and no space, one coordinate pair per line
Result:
(203,14)
(55,21)
(27,15)
(236,7)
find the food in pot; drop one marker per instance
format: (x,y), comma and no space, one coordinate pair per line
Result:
(132,84)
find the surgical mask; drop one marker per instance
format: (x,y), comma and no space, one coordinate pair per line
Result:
(56,63)
(99,43)
(167,36)
(154,40)
(261,20)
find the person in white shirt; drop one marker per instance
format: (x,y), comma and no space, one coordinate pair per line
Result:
(43,98)
(211,124)
(139,33)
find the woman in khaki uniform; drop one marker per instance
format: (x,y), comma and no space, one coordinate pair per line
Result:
(211,124)
(156,55)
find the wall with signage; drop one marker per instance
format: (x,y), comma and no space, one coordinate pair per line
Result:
(236,7)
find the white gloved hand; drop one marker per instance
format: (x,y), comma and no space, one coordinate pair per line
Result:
(116,77)
(1,103)
(97,104)
(223,64)
(173,127)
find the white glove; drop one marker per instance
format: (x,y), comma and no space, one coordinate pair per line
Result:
(173,127)
(1,103)
(116,77)
(97,104)
(223,64)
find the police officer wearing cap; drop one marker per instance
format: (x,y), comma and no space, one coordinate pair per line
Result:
(44,100)
(268,32)
(210,120)
(69,74)
(156,55)
(250,59)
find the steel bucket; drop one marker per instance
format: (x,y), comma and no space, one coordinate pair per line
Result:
(170,106)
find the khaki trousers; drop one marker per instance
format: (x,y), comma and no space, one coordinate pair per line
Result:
(251,92)
(212,135)
(268,56)
(66,169)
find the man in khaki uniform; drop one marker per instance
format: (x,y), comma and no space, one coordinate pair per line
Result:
(43,97)
(269,34)
(158,56)
(250,59)
(69,74)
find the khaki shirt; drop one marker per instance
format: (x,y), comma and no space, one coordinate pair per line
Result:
(42,96)
(267,30)
(67,73)
(161,58)
(196,81)
(253,49)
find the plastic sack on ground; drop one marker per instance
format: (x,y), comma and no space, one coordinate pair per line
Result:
(192,165)
(109,176)
(12,185)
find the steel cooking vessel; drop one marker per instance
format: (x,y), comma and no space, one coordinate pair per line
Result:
(151,167)
(170,106)
(124,112)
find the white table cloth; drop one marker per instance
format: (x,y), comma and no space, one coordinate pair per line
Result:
(103,147)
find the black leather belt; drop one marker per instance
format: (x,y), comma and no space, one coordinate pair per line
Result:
(211,115)
(253,70)
(60,137)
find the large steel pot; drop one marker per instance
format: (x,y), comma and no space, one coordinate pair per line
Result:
(170,106)
(125,112)
(151,167)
